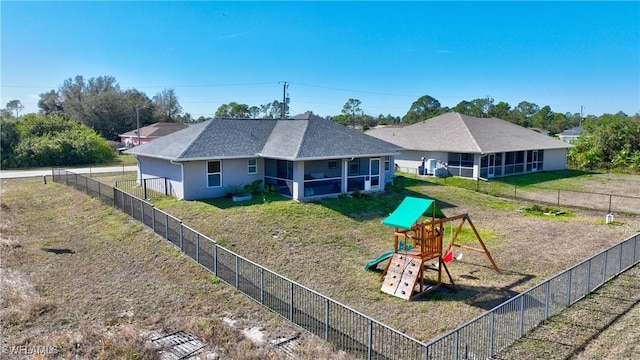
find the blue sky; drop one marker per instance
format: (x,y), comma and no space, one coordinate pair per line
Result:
(386,54)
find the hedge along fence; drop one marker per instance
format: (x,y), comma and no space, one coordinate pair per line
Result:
(352,331)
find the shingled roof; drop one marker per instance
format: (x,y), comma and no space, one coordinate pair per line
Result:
(455,132)
(303,137)
(158,129)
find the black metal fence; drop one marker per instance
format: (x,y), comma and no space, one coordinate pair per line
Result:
(151,188)
(352,331)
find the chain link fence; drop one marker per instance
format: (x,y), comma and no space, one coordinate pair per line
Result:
(551,196)
(350,330)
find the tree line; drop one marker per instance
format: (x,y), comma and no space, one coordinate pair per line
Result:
(100,104)
(608,141)
(39,140)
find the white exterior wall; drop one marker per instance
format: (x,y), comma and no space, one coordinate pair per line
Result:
(154,168)
(234,172)
(413,159)
(554,159)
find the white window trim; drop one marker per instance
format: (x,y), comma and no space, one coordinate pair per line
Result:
(249,166)
(208,173)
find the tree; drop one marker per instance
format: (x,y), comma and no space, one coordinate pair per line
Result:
(166,106)
(468,108)
(523,112)
(501,110)
(15,105)
(233,110)
(424,108)
(484,106)
(52,140)
(254,111)
(610,141)
(352,111)
(274,110)
(6,115)
(9,139)
(50,103)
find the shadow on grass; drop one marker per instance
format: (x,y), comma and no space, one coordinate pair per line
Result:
(365,207)
(376,205)
(227,202)
(58,251)
(541,177)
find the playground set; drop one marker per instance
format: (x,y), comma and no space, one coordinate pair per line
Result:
(418,246)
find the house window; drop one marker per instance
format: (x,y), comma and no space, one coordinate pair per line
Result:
(252,166)
(387,164)
(354,167)
(333,164)
(214,173)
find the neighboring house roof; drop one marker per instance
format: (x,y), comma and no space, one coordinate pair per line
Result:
(576,131)
(303,137)
(455,132)
(155,130)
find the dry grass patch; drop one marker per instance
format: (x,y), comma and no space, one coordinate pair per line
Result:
(86,281)
(325,245)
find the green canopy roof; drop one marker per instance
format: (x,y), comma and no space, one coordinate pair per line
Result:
(410,210)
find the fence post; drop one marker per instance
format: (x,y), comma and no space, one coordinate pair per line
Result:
(492,319)
(620,262)
(261,285)
(456,348)
(521,315)
(370,340)
(181,237)
(144,188)
(558,197)
(588,277)
(604,267)
(166,186)
(166,226)
(546,299)
(237,271)
(291,301)
(326,320)
(215,258)
(569,287)
(609,203)
(198,248)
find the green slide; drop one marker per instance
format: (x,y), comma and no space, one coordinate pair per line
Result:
(371,265)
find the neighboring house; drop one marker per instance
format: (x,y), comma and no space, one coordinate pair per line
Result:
(302,158)
(461,145)
(149,133)
(570,135)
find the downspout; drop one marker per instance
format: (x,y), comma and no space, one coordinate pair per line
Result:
(138,171)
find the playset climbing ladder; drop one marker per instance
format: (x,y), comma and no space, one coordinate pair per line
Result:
(404,275)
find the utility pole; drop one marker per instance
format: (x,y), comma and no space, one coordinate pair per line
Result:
(138,121)
(581,115)
(284,100)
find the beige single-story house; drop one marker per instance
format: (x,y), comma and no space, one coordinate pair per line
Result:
(149,133)
(472,147)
